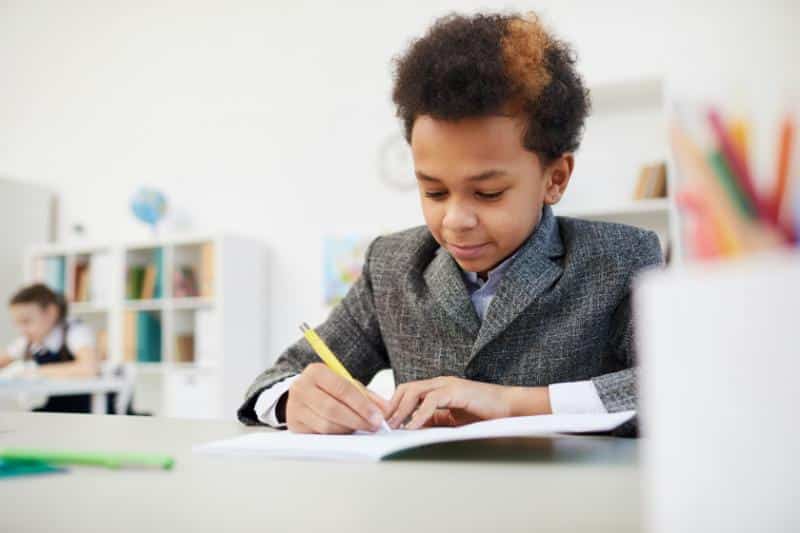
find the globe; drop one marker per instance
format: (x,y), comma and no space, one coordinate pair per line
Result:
(149,206)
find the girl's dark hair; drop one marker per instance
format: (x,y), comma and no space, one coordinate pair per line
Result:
(489,64)
(42,295)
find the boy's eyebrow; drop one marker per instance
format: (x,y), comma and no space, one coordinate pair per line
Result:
(479,177)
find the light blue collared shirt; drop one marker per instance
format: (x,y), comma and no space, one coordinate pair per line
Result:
(482,292)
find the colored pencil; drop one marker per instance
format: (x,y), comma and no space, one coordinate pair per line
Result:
(730,184)
(784,160)
(721,212)
(740,134)
(739,168)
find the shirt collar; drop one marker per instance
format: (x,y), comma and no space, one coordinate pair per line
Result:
(52,342)
(544,239)
(494,276)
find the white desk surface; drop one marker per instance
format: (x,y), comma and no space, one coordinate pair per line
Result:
(54,387)
(475,492)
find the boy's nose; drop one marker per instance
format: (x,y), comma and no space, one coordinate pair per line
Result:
(459,218)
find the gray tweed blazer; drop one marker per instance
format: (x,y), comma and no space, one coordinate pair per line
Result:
(562,312)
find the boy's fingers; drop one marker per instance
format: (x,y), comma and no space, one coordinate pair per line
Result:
(348,394)
(394,401)
(442,417)
(403,404)
(408,404)
(295,426)
(409,397)
(317,424)
(330,408)
(427,409)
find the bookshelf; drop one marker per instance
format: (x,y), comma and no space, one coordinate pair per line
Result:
(654,206)
(625,132)
(187,312)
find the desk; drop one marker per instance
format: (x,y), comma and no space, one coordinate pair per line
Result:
(64,387)
(220,494)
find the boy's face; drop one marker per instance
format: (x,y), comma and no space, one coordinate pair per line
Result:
(481,190)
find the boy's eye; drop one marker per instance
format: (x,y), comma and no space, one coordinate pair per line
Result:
(434,194)
(489,195)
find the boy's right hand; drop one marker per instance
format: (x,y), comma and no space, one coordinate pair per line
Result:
(321,401)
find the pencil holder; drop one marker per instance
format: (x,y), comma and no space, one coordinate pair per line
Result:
(719,353)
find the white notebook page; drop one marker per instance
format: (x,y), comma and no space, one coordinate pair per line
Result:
(374,446)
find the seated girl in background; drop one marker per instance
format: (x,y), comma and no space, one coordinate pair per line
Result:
(53,346)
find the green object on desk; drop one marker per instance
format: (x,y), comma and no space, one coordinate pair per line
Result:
(14,468)
(108,460)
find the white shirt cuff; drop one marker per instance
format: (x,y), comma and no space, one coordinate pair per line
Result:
(268,400)
(577,397)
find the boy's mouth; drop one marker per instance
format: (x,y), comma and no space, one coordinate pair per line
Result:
(466,251)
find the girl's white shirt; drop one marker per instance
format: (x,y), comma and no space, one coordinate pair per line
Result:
(79,336)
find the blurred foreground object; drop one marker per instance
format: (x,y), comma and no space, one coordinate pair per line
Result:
(719,366)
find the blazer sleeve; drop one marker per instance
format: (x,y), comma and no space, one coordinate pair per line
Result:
(351,331)
(617,390)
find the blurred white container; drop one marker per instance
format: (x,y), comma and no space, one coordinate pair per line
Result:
(719,352)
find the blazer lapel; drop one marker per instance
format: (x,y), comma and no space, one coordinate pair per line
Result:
(443,277)
(531,272)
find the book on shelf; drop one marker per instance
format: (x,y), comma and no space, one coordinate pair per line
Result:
(144,282)
(158,262)
(148,337)
(184,348)
(129,337)
(149,283)
(207,270)
(652,182)
(135,281)
(185,282)
(141,337)
(80,282)
(51,271)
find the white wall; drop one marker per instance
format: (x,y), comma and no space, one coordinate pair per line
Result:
(26,216)
(264,118)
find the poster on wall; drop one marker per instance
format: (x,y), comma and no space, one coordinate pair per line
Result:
(342,261)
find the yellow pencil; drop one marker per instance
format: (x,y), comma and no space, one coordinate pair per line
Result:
(740,134)
(333,362)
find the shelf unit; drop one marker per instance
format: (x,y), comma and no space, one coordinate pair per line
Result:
(655,206)
(625,131)
(210,343)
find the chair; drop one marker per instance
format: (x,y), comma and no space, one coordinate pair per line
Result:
(126,373)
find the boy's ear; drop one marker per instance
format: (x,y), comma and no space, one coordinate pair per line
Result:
(557,178)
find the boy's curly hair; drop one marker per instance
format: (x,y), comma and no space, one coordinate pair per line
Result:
(495,64)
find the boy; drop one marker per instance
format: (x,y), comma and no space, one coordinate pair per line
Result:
(496,307)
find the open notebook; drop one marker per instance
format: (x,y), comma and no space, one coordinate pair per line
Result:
(375,446)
